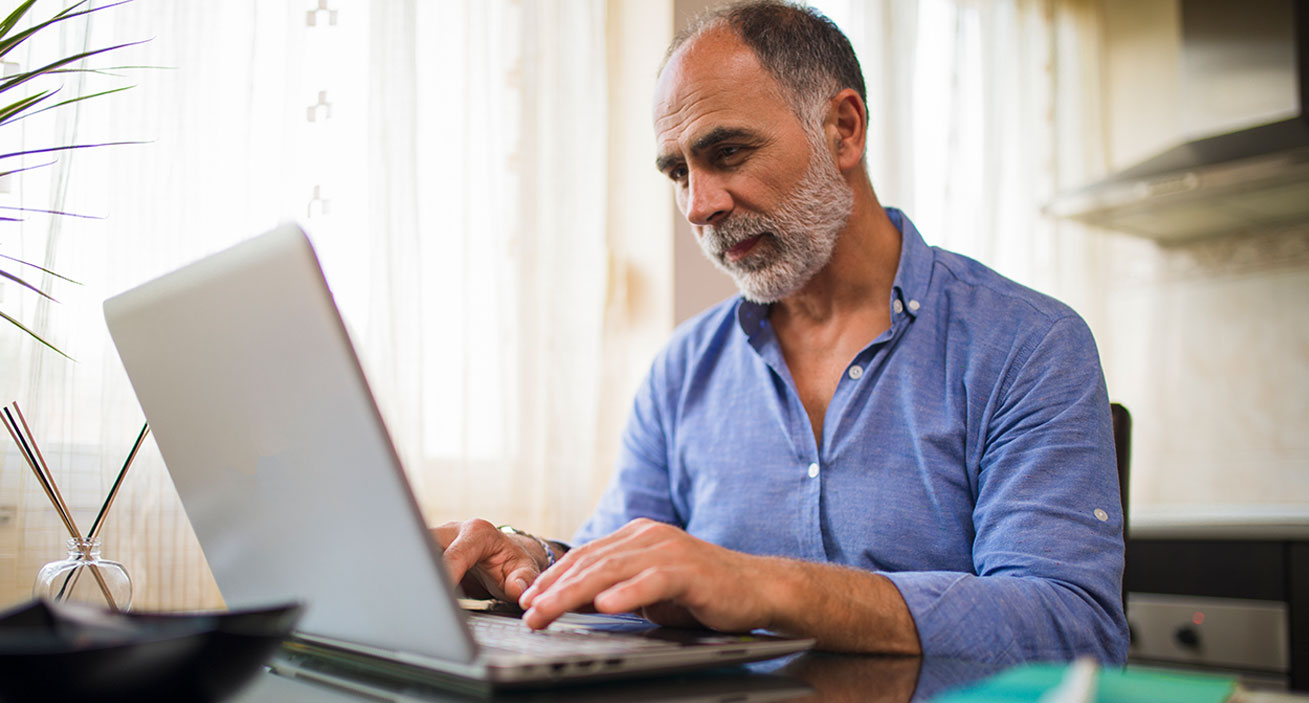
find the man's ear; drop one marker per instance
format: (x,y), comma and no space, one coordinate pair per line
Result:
(850,117)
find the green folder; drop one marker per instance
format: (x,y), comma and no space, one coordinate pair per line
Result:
(1028,682)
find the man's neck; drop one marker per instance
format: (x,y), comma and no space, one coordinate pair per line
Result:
(857,281)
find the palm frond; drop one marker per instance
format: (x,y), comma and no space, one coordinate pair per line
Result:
(39,268)
(64,102)
(21,78)
(51,212)
(26,168)
(13,110)
(47,150)
(25,284)
(10,110)
(34,335)
(14,17)
(7,45)
(105,70)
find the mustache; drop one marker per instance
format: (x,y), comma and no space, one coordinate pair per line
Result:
(734,230)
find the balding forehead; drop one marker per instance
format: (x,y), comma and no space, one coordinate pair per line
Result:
(715,59)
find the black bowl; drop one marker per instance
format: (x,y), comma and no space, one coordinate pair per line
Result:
(59,651)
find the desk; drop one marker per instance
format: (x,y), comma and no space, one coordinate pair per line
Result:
(809,677)
(806,677)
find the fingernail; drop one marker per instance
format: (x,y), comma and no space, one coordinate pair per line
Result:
(522,585)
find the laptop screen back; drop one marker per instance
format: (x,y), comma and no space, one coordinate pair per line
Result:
(266,423)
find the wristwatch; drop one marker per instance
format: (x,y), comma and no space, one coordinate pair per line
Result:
(549,551)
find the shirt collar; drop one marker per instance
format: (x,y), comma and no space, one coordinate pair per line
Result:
(914,273)
(912,277)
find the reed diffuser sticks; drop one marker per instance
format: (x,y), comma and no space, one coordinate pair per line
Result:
(21,433)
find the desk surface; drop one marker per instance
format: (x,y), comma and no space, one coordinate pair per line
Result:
(809,677)
(805,677)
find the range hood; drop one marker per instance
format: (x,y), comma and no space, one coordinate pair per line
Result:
(1244,84)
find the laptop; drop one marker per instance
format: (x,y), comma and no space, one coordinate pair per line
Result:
(265,421)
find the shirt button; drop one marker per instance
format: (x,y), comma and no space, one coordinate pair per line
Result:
(813,470)
(898,306)
(1101,515)
(913,305)
(856,372)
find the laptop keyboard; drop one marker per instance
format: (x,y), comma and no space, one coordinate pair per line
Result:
(511,635)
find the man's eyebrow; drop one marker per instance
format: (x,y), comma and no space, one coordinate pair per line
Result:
(667,161)
(714,136)
(721,134)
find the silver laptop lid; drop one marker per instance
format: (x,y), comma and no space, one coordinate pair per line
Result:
(265,421)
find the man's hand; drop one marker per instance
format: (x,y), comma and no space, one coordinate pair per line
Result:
(676,579)
(672,577)
(486,561)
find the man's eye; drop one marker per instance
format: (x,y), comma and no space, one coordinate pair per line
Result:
(730,155)
(677,173)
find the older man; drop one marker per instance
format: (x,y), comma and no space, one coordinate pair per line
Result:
(880,444)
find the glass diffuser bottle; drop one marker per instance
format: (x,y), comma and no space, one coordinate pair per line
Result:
(85,577)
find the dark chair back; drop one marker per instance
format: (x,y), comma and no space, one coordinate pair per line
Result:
(1123,450)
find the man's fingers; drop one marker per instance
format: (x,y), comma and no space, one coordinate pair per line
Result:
(445,534)
(500,564)
(651,586)
(634,535)
(459,557)
(579,585)
(519,580)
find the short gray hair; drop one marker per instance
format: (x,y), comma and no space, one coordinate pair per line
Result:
(803,50)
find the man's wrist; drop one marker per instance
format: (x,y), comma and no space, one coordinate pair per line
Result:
(785,586)
(547,550)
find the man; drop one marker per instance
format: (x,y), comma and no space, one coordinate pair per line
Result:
(882,445)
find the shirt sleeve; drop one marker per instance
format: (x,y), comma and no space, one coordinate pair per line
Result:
(640,484)
(1048,550)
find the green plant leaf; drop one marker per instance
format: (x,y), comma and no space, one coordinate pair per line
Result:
(74,6)
(12,20)
(11,110)
(40,268)
(8,45)
(65,148)
(64,102)
(35,336)
(25,284)
(104,70)
(14,16)
(51,212)
(21,78)
(27,168)
(39,102)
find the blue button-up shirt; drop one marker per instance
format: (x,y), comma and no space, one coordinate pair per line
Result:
(967,455)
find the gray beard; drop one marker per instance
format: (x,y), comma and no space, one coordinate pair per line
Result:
(798,235)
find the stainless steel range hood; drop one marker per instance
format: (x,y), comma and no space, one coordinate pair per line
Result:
(1244,82)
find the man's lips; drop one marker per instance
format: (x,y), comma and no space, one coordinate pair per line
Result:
(737,252)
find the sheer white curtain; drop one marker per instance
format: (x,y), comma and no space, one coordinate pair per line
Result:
(449,161)
(488,286)
(980,111)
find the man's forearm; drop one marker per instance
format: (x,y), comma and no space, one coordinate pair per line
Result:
(654,567)
(845,609)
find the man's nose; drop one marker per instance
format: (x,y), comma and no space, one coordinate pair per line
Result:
(707,201)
